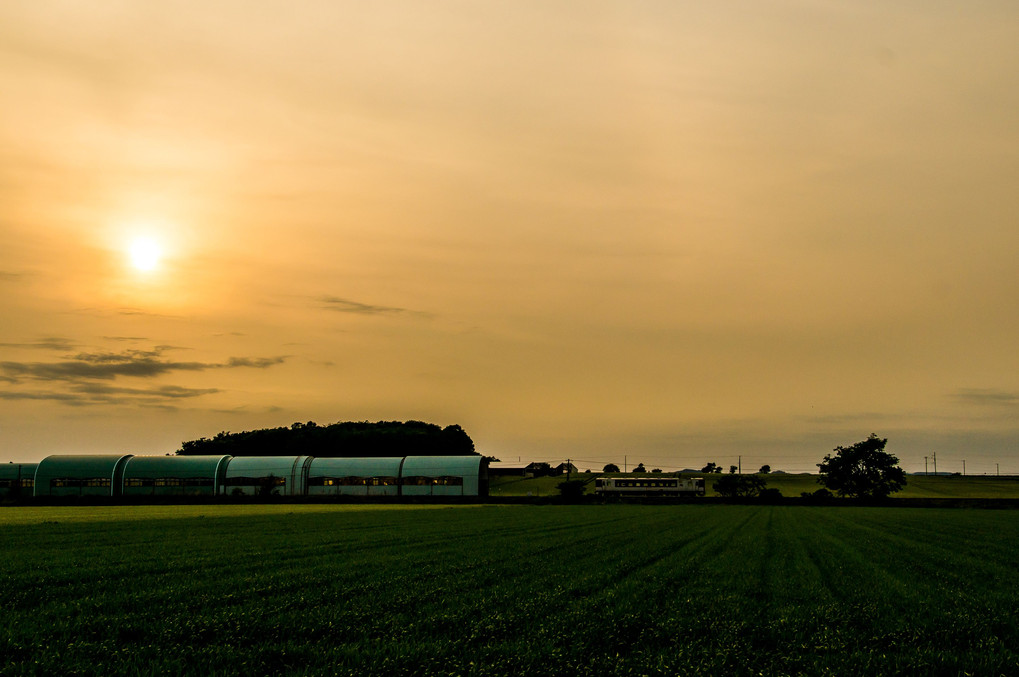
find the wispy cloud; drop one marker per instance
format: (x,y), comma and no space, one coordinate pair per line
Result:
(341,305)
(8,276)
(111,365)
(84,378)
(986,396)
(48,343)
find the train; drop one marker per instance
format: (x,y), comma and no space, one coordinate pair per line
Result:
(649,486)
(127,475)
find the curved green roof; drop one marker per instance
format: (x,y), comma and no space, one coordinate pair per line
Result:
(383,466)
(174,466)
(262,466)
(441,466)
(12,471)
(80,467)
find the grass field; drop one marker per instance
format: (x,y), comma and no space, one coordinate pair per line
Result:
(917,486)
(495,590)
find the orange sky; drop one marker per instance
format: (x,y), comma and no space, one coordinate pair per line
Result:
(674,231)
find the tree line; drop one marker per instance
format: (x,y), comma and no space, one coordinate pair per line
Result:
(345,439)
(863,470)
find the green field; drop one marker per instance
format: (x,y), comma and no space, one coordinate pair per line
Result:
(496,590)
(792,485)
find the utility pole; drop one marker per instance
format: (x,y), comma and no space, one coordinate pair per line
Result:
(740,461)
(963,467)
(624,462)
(925,473)
(935,462)
(569,464)
(997,470)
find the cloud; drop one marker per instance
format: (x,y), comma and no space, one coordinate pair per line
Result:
(111,365)
(8,276)
(48,343)
(95,393)
(254,362)
(86,377)
(341,305)
(986,396)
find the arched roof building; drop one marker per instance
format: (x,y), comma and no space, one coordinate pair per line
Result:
(174,475)
(355,476)
(79,475)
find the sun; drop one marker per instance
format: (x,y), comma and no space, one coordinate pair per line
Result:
(145,253)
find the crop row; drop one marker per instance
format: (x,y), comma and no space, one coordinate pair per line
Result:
(593,590)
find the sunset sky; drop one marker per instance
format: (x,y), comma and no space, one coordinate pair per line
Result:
(676,231)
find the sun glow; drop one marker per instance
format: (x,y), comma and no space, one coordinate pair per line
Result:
(145,253)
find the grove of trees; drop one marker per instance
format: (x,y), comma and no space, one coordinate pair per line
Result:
(385,438)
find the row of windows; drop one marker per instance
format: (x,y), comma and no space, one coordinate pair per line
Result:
(450,481)
(646,483)
(169,482)
(352,481)
(453,481)
(255,481)
(78,482)
(26,483)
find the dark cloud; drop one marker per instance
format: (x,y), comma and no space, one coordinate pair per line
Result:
(169,392)
(986,396)
(341,305)
(254,362)
(8,276)
(85,377)
(48,343)
(111,365)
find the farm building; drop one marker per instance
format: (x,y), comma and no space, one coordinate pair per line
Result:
(140,476)
(444,476)
(264,475)
(355,476)
(174,475)
(81,475)
(17,479)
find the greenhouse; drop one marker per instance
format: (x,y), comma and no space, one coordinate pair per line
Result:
(174,475)
(81,475)
(444,476)
(17,479)
(266,475)
(355,476)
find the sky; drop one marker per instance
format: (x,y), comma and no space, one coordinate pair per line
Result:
(662,231)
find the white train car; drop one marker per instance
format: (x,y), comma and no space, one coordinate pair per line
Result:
(649,485)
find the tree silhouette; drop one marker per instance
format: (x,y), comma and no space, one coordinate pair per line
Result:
(862,470)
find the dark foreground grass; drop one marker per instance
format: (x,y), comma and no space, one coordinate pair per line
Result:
(535,590)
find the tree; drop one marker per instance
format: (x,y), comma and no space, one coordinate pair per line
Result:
(640,468)
(656,470)
(765,469)
(710,468)
(862,470)
(732,469)
(610,467)
(739,486)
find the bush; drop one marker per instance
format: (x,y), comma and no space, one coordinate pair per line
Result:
(572,488)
